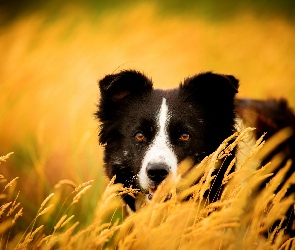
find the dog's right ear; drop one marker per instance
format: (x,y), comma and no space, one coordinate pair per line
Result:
(117,87)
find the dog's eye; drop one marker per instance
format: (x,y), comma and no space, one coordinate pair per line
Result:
(185,137)
(139,136)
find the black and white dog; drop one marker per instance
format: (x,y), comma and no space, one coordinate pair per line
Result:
(147,132)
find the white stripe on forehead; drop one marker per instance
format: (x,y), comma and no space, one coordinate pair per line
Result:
(163,117)
(160,150)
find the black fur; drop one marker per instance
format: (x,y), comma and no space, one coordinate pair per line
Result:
(204,106)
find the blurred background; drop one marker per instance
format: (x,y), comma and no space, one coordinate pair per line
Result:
(53,52)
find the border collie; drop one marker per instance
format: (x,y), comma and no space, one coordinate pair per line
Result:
(147,132)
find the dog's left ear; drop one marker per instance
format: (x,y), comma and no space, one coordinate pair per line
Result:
(117,87)
(210,87)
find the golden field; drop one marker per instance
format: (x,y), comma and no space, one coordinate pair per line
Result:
(49,69)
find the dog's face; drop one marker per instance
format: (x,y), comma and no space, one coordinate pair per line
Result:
(148,132)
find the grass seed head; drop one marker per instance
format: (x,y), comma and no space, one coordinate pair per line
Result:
(83,185)
(65,182)
(45,210)
(4,207)
(45,201)
(78,195)
(17,215)
(61,220)
(67,221)
(5,157)
(10,183)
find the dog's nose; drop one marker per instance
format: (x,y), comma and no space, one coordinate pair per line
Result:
(157,172)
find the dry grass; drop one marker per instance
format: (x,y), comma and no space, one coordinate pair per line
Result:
(48,75)
(239,220)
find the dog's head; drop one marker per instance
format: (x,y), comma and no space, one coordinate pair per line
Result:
(147,132)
